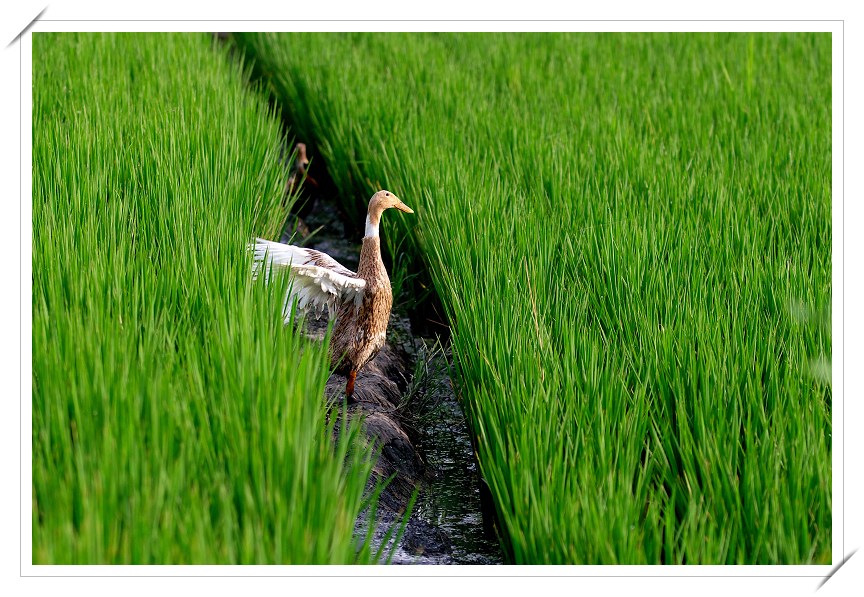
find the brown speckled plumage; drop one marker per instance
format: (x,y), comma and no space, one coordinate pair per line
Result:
(361,326)
(360,332)
(361,300)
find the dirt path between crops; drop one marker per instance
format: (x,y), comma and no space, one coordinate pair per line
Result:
(408,404)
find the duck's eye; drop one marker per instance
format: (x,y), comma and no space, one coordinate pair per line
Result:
(386,194)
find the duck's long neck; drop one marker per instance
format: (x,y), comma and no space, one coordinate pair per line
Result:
(371,265)
(373,219)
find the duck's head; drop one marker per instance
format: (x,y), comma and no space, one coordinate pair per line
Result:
(380,201)
(385,199)
(300,156)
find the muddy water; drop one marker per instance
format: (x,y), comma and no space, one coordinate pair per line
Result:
(449,506)
(410,408)
(408,401)
(448,524)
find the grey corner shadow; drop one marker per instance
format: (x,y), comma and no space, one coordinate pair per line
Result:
(835,569)
(27,28)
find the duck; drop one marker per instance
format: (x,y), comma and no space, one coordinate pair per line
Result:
(298,173)
(359,301)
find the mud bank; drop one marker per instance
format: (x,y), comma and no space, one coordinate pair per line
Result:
(406,400)
(409,409)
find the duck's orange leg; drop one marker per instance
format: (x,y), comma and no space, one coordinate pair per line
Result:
(349,387)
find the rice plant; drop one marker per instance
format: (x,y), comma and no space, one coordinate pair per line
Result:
(175,419)
(618,226)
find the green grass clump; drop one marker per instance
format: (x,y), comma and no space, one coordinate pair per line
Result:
(622,229)
(175,419)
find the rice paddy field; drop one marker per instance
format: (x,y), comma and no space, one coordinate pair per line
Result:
(629,235)
(175,419)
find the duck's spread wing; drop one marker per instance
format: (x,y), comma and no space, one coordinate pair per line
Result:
(319,281)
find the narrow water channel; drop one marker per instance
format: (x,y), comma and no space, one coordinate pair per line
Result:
(447,524)
(450,501)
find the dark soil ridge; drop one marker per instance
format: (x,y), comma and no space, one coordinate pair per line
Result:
(401,427)
(459,526)
(391,422)
(378,392)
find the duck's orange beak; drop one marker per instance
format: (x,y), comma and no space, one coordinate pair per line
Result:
(402,207)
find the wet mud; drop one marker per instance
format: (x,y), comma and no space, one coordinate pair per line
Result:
(406,400)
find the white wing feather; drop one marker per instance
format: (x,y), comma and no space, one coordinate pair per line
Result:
(319,281)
